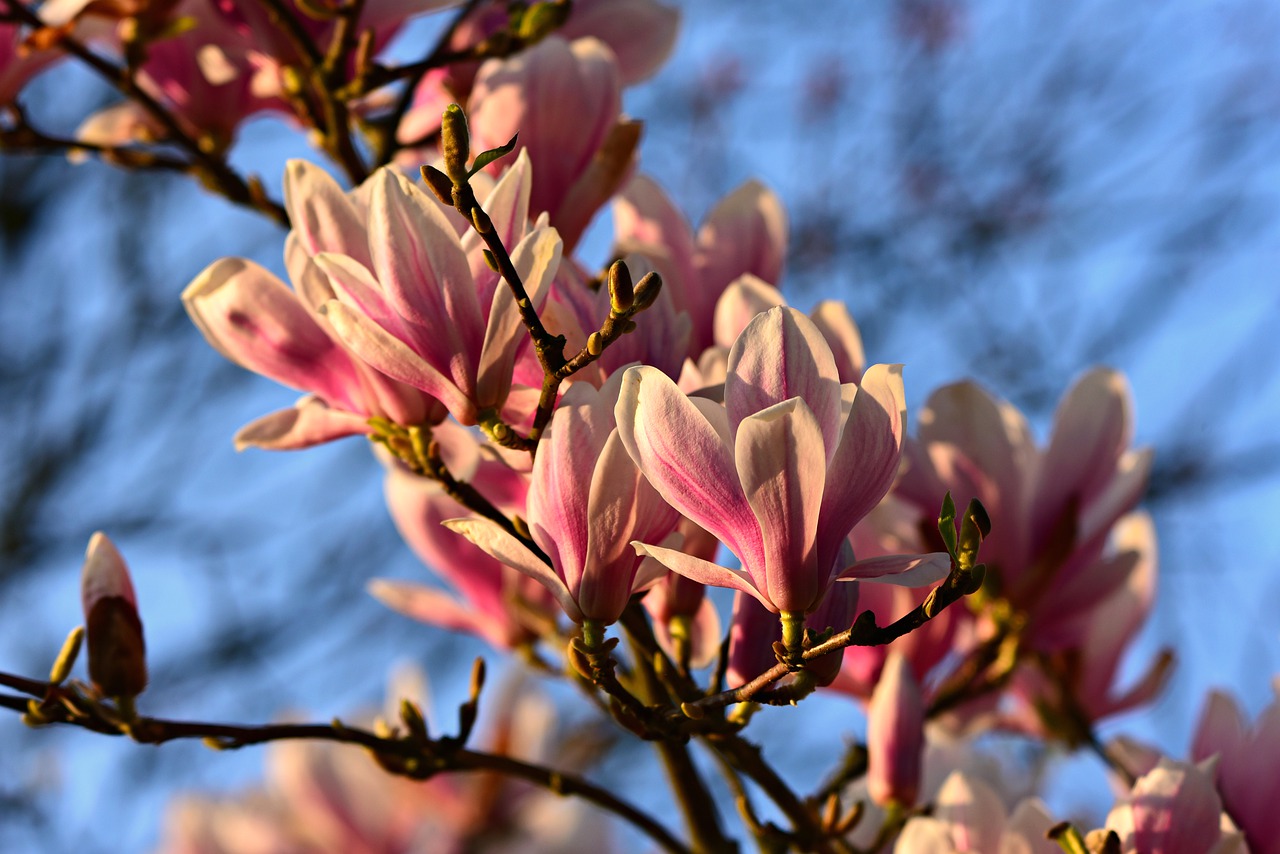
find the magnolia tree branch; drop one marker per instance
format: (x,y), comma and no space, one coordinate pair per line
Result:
(210,168)
(411,755)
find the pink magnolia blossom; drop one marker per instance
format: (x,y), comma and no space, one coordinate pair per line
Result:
(587,501)
(782,471)
(969,816)
(17,63)
(1174,809)
(745,233)
(408,297)
(1248,762)
(500,605)
(564,99)
(754,630)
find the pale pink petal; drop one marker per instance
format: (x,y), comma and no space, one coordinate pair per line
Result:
(701,571)
(644,215)
(895,735)
(682,446)
(495,541)
(1027,831)
(253,319)
(746,297)
(436,608)
(841,333)
(1221,729)
(866,459)
(610,562)
(745,233)
(782,464)
(1175,810)
(1119,497)
(609,168)
(388,354)
(323,217)
(781,355)
(901,570)
(925,836)
(973,811)
(641,33)
(307,423)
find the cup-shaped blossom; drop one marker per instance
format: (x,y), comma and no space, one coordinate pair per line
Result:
(587,502)
(406,301)
(1246,769)
(113,630)
(781,472)
(1175,809)
(895,735)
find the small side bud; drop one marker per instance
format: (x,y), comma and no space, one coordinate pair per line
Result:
(455,141)
(439,183)
(595,344)
(490,261)
(117,651)
(67,657)
(647,290)
(414,722)
(622,294)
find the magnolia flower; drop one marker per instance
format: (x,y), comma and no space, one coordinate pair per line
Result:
(113,630)
(587,501)
(895,735)
(1247,763)
(782,471)
(745,233)
(968,816)
(502,606)
(1174,809)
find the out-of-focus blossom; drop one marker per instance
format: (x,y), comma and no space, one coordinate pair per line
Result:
(1174,809)
(782,472)
(403,297)
(500,605)
(587,502)
(1248,765)
(18,64)
(895,735)
(969,816)
(321,798)
(932,24)
(564,100)
(745,233)
(680,606)
(113,630)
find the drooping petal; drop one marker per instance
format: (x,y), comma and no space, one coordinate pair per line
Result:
(495,541)
(703,572)
(902,570)
(781,355)
(307,423)
(437,608)
(782,465)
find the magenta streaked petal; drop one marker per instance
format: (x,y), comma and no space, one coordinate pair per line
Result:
(895,735)
(1221,730)
(746,232)
(307,423)
(253,319)
(781,462)
(354,285)
(496,542)
(682,446)
(781,355)
(866,458)
(610,562)
(322,215)
(384,352)
(1175,810)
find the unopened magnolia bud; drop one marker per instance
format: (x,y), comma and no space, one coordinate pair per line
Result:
(895,735)
(117,651)
(455,143)
(647,290)
(439,183)
(622,293)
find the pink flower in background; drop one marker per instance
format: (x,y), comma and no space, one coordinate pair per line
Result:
(499,604)
(782,471)
(895,735)
(587,502)
(1248,761)
(1174,809)
(745,233)
(968,816)
(17,63)
(564,99)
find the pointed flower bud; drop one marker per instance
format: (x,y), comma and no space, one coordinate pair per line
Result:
(895,735)
(621,292)
(455,143)
(117,652)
